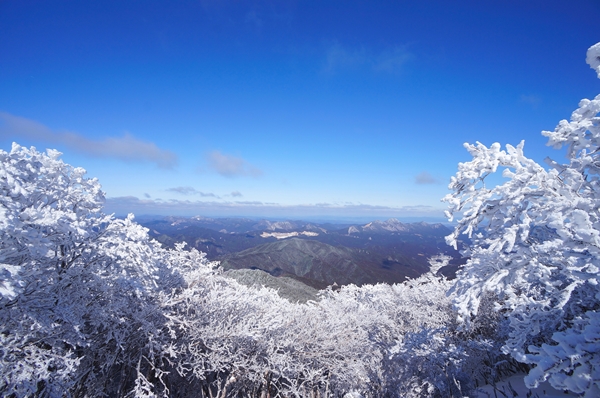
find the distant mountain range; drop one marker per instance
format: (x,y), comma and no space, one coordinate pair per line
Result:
(317,255)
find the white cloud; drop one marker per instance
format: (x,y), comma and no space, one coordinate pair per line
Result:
(425,178)
(236,194)
(191,191)
(231,166)
(126,148)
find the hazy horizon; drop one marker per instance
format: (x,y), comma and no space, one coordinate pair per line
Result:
(323,219)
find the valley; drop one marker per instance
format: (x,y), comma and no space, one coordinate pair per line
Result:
(299,258)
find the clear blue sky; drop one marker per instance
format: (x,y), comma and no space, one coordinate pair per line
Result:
(288,108)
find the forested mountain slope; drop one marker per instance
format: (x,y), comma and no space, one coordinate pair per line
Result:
(320,264)
(379,251)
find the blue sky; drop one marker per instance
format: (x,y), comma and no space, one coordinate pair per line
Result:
(287,109)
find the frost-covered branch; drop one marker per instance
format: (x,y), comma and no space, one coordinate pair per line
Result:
(535,245)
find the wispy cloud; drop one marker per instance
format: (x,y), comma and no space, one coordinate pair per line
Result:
(191,191)
(236,194)
(231,166)
(426,178)
(389,60)
(126,148)
(392,60)
(248,203)
(339,57)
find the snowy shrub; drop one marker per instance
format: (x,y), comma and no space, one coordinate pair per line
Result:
(374,341)
(536,247)
(78,308)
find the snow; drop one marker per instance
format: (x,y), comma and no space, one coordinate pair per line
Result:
(285,235)
(593,58)
(514,386)
(536,248)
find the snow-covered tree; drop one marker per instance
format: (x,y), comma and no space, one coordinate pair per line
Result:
(536,248)
(79,312)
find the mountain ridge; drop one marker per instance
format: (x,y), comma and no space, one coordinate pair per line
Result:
(316,255)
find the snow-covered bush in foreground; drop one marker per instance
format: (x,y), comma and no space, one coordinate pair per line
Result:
(536,247)
(91,306)
(374,341)
(78,307)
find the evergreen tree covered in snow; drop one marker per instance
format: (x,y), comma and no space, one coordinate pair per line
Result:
(536,248)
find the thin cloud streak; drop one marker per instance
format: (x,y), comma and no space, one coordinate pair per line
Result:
(126,148)
(231,166)
(191,191)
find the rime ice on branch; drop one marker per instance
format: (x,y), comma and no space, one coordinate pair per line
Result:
(536,248)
